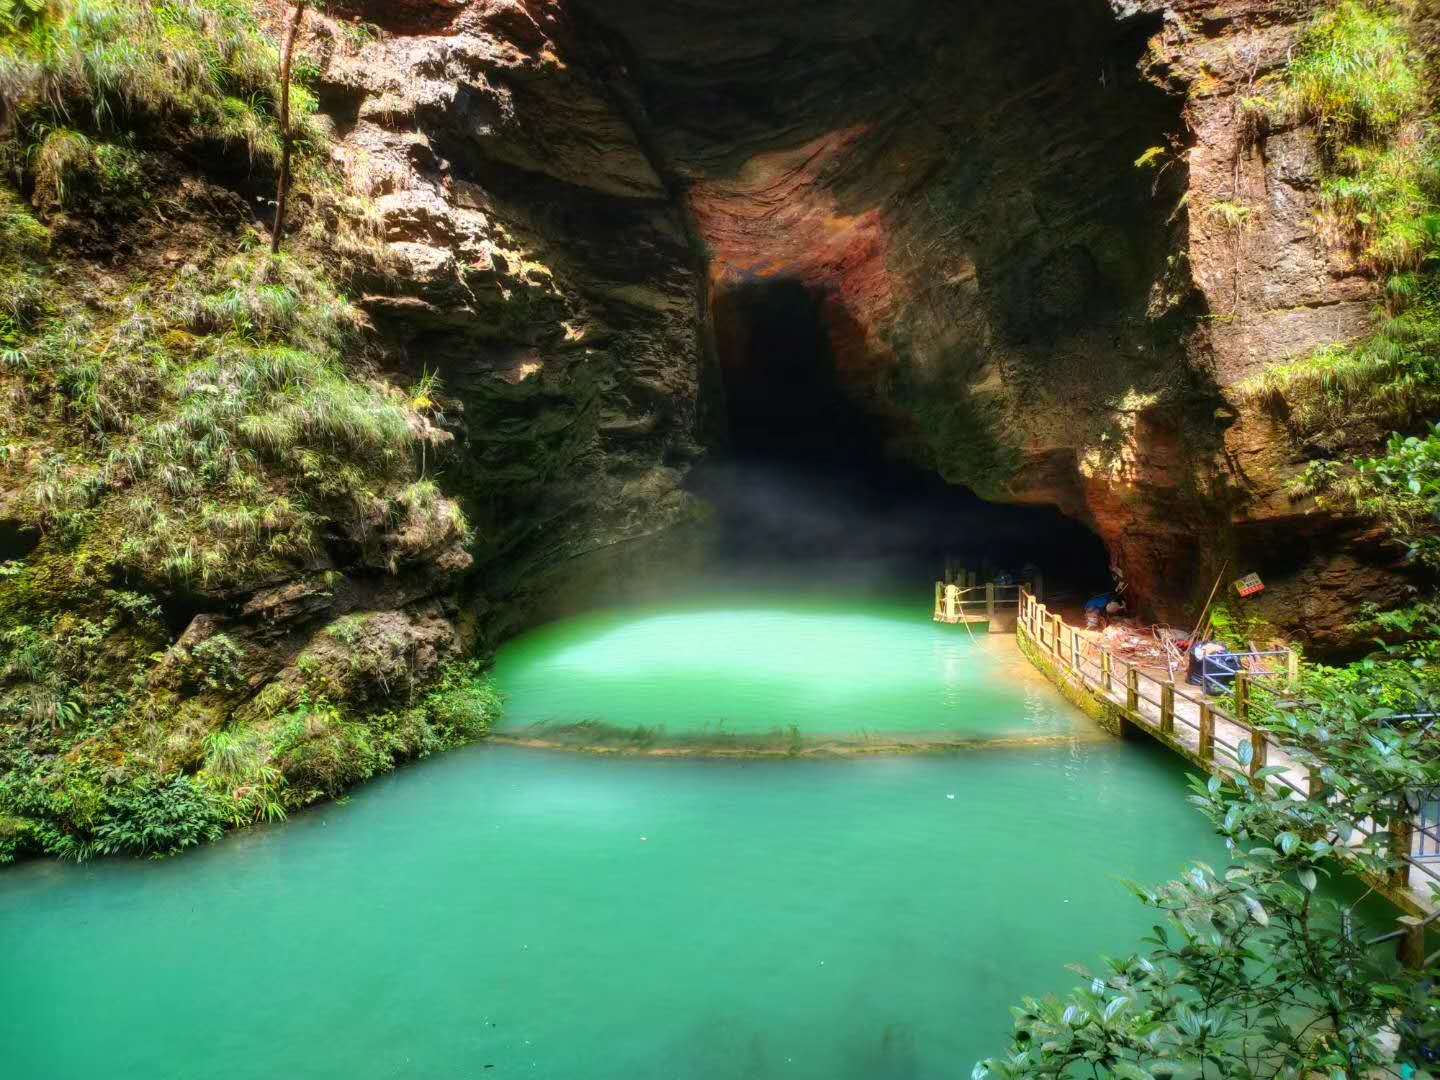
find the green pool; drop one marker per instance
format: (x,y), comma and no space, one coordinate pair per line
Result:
(757,670)
(504,911)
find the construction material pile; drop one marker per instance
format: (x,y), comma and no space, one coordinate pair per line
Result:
(1152,646)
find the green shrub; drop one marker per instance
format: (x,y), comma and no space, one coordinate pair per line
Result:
(465,705)
(78,813)
(153,816)
(1356,76)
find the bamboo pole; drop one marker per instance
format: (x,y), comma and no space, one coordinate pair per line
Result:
(282,185)
(1199,626)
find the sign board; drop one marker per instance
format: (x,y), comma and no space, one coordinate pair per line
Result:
(1249,585)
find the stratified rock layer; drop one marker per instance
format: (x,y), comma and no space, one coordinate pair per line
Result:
(580,191)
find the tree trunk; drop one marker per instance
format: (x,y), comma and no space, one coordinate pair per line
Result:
(282,190)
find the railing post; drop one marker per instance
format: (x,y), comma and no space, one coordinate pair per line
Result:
(1167,707)
(1107,668)
(1055,629)
(990,600)
(1242,697)
(1075,650)
(1257,754)
(1292,669)
(1402,835)
(1410,949)
(1132,689)
(939,599)
(1207,733)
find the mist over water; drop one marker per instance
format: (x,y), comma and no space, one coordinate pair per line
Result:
(840,662)
(808,474)
(886,523)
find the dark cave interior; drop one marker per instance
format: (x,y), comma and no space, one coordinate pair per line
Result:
(808,475)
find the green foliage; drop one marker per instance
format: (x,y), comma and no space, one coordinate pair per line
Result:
(1360,79)
(1251,972)
(1402,487)
(80,813)
(176,70)
(224,424)
(1150,158)
(238,769)
(465,704)
(1356,76)
(1237,626)
(215,664)
(1234,216)
(1388,379)
(17,15)
(193,432)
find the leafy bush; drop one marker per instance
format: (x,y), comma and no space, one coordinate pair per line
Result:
(1402,487)
(215,664)
(80,813)
(465,705)
(153,816)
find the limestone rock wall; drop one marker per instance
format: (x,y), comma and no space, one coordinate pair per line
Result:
(572,187)
(542,271)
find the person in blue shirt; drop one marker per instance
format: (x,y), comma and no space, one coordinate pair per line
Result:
(1100,608)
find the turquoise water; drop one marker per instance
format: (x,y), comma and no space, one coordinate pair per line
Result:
(847,669)
(503,911)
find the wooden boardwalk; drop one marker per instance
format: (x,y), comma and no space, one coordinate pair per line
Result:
(1125,696)
(996,607)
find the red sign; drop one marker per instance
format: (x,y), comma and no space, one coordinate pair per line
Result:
(1249,585)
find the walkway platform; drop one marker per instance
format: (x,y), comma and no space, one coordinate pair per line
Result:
(988,608)
(1127,697)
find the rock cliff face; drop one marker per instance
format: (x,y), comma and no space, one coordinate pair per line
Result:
(1034,245)
(591,197)
(544,273)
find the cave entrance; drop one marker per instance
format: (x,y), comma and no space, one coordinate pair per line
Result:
(808,474)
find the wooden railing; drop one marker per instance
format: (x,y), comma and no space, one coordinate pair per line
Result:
(976,600)
(1219,738)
